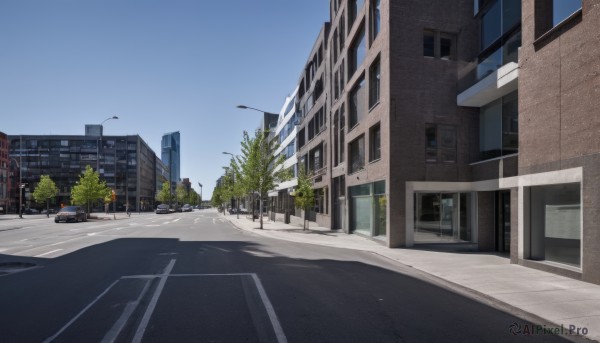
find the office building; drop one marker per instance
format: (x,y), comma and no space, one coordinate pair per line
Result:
(4,173)
(126,163)
(171,157)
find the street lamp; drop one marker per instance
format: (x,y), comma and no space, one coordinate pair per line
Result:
(269,120)
(199,184)
(98,146)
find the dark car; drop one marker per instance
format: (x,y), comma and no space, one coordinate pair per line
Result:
(71,213)
(162,209)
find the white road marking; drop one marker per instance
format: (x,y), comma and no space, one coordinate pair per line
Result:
(150,309)
(221,249)
(48,253)
(281,338)
(176,220)
(113,333)
(270,310)
(53,337)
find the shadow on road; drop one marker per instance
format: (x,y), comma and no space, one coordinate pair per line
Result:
(208,296)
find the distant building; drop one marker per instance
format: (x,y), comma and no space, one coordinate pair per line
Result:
(171,156)
(4,173)
(281,201)
(126,163)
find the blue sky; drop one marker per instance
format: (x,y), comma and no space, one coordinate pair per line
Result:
(160,66)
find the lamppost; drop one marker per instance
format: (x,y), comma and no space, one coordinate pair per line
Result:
(268,119)
(199,184)
(98,146)
(237,209)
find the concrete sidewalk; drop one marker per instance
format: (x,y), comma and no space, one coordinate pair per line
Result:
(557,300)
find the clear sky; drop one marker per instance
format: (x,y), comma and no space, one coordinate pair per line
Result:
(159,65)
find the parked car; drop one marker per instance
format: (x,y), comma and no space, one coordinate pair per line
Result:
(31,211)
(49,211)
(162,209)
(71,213)
(187,208)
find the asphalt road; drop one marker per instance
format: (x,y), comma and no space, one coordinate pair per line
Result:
(192,277)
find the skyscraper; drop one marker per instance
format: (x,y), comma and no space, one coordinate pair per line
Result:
(170,155)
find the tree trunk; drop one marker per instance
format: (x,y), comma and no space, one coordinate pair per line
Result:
(47,208)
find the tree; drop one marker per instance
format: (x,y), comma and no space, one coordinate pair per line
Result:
(181,194)
(89,188)
(164,195)
(260,169)
(304,194)
(237,186)
(45,190)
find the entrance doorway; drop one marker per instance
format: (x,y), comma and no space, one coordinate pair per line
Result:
(502,226)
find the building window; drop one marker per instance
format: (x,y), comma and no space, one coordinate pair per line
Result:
(442,218)
(551,13)
(439,45)
(368,209)
(357,103)
(555,223)
(428,43)
(440,143)
(375,18)
(374,82)
(356,151)
(355,7)
(357,52)
(375,143)
(499,127)
(342,136)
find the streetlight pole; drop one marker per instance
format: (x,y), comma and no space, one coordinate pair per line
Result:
(199,184)
(237,209)
(98,145)
(266,123)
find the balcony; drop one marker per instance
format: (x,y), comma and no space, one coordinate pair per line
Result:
(497,84)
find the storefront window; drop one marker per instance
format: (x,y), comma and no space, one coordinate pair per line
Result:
(368,209)
(442,218)
(555,219)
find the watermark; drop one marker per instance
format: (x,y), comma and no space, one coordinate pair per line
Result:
(520,329)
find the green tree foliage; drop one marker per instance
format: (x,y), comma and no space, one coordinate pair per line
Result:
(89,188)
(237,185)
(259,169)
(164,195)
(45,190)
(217,199)
(304,194)
(193,198)
(181,194)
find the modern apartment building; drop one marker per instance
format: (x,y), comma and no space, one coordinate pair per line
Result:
(312,138)
(281,199)
(558,197)
(474,125)
(171,156)
(126,163)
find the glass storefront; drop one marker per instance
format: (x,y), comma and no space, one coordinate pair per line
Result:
(442,218)
(555,223)
(368,210)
